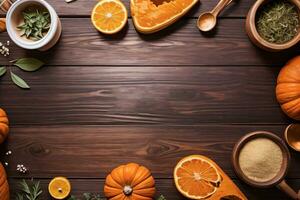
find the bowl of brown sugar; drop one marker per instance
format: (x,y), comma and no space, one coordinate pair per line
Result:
(261,159)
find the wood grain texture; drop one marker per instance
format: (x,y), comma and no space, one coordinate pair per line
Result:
(180,44)
(92,151)
(83,8)
(102,100)
(164,186)
(144,95)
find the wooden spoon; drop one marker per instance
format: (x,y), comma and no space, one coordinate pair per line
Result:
(208,20)
(292,136)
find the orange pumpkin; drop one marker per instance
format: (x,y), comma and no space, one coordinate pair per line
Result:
(130,182)
(4,188)
(3,126)
(288,88)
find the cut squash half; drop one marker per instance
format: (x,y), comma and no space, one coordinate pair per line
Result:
(149,16)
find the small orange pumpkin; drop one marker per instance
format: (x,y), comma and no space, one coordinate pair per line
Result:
(4,188)
(4,128)
(288,88)
(130,182)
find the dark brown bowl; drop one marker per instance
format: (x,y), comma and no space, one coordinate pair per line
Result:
(257,39)
(261,134)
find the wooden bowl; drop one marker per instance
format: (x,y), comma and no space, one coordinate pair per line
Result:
(261,134)
(257,39)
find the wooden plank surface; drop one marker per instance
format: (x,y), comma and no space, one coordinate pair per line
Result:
(144,95)
(103,101)
(83,8)
(180,44)
(164,186)
(92,151)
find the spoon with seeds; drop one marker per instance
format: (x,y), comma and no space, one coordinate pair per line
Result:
(208,20)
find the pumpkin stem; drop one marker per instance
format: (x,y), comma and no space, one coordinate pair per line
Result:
(127,190)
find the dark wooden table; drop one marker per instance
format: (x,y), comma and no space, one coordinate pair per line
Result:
(103,101)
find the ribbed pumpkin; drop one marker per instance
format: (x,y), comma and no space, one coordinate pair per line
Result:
(4,188)
(130,182)
(4,128)
(288,88)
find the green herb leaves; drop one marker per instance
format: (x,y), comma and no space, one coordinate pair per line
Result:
(36,24)
(29,64)
(91,196)
(161,197)
(26,64)
(19,81)
(278,21)
(2,71)
(30,191)
(88,196)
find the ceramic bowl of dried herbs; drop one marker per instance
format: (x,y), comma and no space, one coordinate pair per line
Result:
(274,25)
(33,24)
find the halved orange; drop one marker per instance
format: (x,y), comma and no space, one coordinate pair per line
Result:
(109,16)
(59,188)
(196,177)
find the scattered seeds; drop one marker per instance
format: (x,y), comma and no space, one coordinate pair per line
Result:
(8,153)
(4,50)
(22,169)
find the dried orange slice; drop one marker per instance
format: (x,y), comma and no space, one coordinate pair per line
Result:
(59,188)
(196,177)
(109,16)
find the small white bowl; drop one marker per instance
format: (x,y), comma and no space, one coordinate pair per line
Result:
(14,18)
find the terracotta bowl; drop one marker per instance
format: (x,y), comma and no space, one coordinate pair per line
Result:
(257,39)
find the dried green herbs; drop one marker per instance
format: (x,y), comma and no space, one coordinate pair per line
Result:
(36,23)
(278,21)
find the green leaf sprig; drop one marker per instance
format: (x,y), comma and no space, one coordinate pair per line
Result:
(2,71)
(36,24)
(88,196)
(31,191)
(91,196)
(26,64)
(161,197)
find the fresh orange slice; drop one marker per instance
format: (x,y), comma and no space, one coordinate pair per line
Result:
(196,177)
(109,16)
(59,188)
